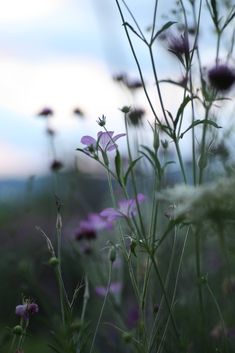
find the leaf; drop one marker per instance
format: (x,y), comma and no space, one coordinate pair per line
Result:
(126,24)
(186,100)
(154,160)
(118,166)
(131,166)
(197,122)
(164,27)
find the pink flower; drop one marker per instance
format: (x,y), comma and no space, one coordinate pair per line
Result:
(105,141)
(88,227)
(127,208)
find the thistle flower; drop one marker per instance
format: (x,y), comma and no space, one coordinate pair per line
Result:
(26,310)
(126,208)
(179,45)
(135,116)
(105,141)
(46,112)
(221,77)
(56,165)
(78,111)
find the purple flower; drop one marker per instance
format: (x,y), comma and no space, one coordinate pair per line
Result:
(46,112)
(127,208)
(26,310)
(88,228)
(179,45)
(221,77)
(105,141)
(115,288)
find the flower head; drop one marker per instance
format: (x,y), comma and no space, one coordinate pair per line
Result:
(89,227)
(105,141)
(221,77)
(26,310)
(126,208)
(46,112)
(135,116)
(179,45)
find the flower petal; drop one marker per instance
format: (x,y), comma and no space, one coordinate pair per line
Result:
(104,138)
(88,141)
(110,213)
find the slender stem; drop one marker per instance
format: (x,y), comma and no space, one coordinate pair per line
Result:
(220,316)
(138,64)
(102,308)
(154,20)
(165,296)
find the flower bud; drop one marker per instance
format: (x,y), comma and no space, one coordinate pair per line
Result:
(125,109)
(53,261)
(17,330)
(112,254)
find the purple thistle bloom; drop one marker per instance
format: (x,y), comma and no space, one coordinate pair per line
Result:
(179,45)
(26,310)
(105,141)
(221,77)
(46,112)
(127,208)
(88,228)
(115,288)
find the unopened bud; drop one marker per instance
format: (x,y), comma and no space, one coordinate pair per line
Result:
(112,254)
(17,330)
(53,261)
(59,221)
(125,109)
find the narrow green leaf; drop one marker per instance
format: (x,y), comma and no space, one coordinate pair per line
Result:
(186,100)
(164,27)
(198,122)
(118,166)
(154,159)
(126,24)
(131,166)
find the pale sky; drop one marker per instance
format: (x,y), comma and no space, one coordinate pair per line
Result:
(62,54)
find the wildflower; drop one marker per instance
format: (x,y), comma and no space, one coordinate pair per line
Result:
(88,228)
(135,116)
(135,84)
(179,45)
(105,141)
(26,310)
(46,112)
(115,288)
(221,77)
(127,208)
(120,77)
(56,165)
(78,111)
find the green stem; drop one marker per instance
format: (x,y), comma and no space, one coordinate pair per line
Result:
(220,315)
(102,308)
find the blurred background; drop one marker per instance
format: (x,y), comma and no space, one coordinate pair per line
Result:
(63,55)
